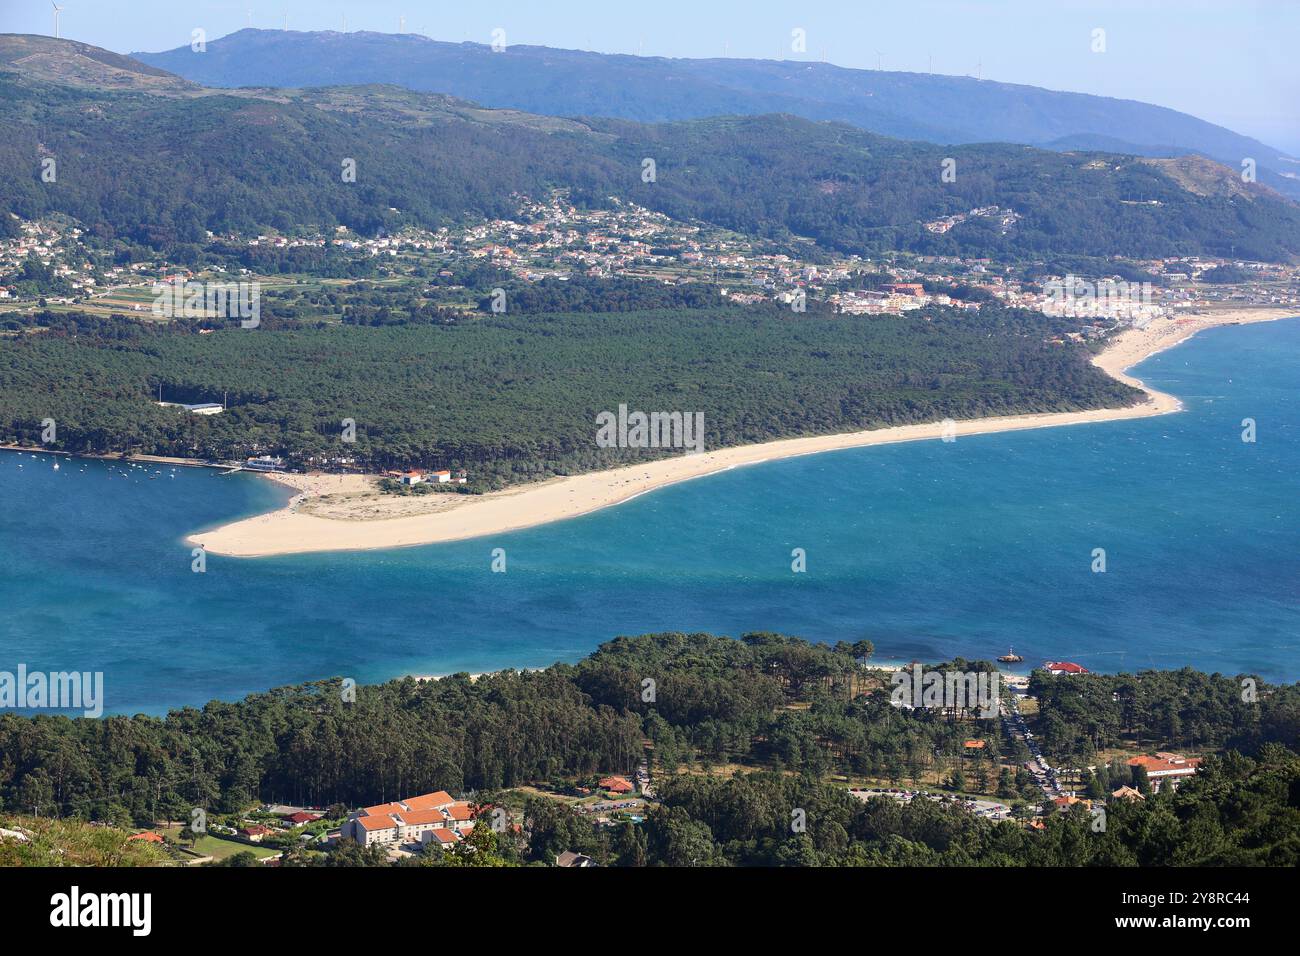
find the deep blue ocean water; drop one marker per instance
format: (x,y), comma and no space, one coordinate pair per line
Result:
(930,550)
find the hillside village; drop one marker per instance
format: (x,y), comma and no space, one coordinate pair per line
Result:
(53,262)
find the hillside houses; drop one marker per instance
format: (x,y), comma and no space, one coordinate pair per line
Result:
(551,238)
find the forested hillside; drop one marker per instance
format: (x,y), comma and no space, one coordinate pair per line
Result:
(513,398)
(927,106)
(1185,708)
(792,711)
(162,166)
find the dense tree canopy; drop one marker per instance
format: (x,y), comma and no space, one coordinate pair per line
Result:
(162,170)
(788,712)
(515,397)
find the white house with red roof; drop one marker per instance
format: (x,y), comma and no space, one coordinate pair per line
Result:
(428,818)
(1064,667)
(255,833)
(617,784)
(1166,768)
(443,837)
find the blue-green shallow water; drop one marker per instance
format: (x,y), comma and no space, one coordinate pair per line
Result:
(929,549)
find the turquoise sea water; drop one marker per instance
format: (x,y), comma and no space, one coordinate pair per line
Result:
(929,549)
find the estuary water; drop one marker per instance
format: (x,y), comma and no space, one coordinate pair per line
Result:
(929,549)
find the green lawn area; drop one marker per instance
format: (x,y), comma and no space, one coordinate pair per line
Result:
(220,848)
(216,847)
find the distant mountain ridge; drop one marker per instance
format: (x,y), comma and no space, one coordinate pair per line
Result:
(930,107)
(70,63)
(158,161)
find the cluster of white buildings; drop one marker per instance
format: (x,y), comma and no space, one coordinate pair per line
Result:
(551,238)
(894,299)
(431,818)
(1006,218)
(441,477)
(54,246)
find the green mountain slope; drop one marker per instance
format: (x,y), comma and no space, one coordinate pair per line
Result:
(928,106)
(161,164)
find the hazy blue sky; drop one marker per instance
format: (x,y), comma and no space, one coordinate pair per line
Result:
(1233,62)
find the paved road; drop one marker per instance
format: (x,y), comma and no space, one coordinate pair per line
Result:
(1044,774)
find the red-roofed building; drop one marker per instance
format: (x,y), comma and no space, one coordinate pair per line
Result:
(1166,768)
(255,833)
(428,801)
(1064,803)
(459,813)
(373,823)
(382,809)
(148,837)
(423,818)
(301,817)
(1064,667)
(617,784)
(413,820)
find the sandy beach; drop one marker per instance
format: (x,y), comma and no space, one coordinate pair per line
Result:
(346,513)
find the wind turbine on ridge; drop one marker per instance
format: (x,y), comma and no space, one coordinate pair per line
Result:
(57,10)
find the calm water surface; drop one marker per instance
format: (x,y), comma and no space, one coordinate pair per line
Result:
(929,549)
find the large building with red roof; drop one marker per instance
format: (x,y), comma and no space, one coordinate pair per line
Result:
(1166,768)
(428,818)
(617,784)
(1064,667)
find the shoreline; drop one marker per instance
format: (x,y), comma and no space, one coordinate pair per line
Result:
(288,530)
(883,667)
(117,456)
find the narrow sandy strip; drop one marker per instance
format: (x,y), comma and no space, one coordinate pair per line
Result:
(290,531)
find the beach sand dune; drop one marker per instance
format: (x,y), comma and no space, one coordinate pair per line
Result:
(345,513)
